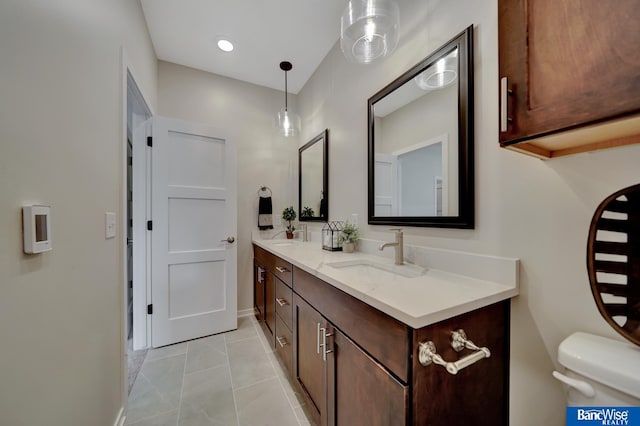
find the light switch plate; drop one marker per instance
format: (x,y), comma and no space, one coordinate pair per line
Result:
(278,220)
(109,225)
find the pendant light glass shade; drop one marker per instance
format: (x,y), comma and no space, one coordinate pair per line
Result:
(288,123)
(439,75)
(369,29)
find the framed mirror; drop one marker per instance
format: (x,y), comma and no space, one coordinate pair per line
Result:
(313,179)
(421,142)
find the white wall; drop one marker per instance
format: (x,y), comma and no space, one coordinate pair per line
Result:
(527,208)
(247,112)
(61,314)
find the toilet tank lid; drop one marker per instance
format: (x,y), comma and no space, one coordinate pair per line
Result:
(610,362)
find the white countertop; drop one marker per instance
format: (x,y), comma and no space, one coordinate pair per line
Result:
(420,301)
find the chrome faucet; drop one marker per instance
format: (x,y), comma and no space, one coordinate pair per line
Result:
(398,245)
(305,234)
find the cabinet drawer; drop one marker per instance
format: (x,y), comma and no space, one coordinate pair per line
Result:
(284,299)
(283,270)
(385,338)
(284,341)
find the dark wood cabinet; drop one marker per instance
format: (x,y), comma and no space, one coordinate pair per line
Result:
(565,67)
(362,392)
(309,367)
(477,395)
(355,365)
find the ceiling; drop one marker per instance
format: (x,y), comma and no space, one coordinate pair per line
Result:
(264,33)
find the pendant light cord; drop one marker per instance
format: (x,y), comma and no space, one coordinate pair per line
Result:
(285,91)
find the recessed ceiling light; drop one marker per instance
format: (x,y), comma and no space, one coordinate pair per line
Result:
(225,45)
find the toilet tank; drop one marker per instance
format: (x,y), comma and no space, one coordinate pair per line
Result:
(603,361)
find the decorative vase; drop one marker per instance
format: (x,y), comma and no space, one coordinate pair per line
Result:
(289,235)
(348,247)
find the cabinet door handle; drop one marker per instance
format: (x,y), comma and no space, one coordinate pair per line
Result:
(282,269)
(282,302)
(325,351)
(282,341)
(260,275)
(505,92)
(318,338)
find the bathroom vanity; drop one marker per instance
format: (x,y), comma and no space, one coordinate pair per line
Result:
(355,355)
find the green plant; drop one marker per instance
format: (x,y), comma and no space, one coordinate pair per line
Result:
(289,214)
(349,233)
(307,212)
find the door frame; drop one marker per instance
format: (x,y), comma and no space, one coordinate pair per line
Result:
(127,70)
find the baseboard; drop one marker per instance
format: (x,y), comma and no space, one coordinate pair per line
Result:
(121,418)
(245,312)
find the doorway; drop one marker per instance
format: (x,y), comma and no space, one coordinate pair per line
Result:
(135,324)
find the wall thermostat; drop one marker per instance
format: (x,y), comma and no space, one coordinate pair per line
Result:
(36,226)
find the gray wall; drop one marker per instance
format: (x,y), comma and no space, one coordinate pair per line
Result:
(61,133)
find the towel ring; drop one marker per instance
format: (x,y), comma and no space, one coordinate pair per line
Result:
(264,189)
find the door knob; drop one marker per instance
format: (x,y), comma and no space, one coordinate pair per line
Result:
(229,240)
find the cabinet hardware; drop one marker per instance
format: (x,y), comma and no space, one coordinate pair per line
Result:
(282,302)
(459,341)
(505,92)
(318,338)
(325,351)
(427,353)
(282,341)
(282,269)
(260,275)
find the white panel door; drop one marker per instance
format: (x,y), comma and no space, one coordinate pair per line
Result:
(386,185)
(194,255)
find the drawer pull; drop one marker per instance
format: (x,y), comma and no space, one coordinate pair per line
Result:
(427,353)
(282,302)
(282,269)
(282,341)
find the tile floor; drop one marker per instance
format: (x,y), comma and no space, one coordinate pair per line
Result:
(232,378)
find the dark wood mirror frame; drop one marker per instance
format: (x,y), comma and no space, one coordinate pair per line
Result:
(466,193)
(620,214)
(323,138)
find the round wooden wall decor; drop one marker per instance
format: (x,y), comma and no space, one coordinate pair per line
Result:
(613,261)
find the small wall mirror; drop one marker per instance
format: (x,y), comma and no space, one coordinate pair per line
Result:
(313,179)
(421,142)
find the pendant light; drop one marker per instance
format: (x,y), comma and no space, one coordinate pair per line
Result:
(441,74)
(287,122)
(369,29)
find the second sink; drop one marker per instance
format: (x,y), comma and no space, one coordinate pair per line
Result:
(406,270)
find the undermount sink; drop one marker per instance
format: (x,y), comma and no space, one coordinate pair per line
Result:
(366,266)
(283,243)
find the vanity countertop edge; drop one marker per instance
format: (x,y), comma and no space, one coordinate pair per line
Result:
(418,302)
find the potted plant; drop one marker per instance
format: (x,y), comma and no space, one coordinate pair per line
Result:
(306,212)
(348,237)
(289,214)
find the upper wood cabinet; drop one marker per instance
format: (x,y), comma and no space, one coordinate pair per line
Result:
(570,77)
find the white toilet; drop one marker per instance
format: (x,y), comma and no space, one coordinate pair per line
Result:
(599,371)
